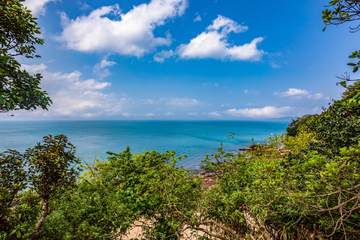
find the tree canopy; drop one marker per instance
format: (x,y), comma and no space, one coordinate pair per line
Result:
(339,12)
(45,172)
(18,36)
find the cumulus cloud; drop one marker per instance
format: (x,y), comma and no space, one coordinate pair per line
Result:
(101,69)
(213,43)
(128,33)
(75,97)
(37,7)
(169,114)
(149,114)
(193,114)
(266,112)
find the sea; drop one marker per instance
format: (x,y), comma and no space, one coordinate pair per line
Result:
(94,138)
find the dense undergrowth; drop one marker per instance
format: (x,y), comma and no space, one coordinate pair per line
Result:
(309,191)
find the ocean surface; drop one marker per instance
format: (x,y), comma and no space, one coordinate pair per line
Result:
(194,138)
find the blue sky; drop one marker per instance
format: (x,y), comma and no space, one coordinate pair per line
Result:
(186,59)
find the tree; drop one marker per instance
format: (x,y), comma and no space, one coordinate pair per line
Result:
(18,30)
(47,169)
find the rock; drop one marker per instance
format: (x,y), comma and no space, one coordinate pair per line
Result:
(281,150)
(219,172)
(251,147)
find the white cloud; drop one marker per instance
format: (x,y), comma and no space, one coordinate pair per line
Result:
(100,68)
(149,114)
(169,114)
(266,112)
(183,102)
(74,97)
(213,43)
(214,114)
(273,64)
(316,96)
(193,114)
(126,114)
(198,18)
(37,7)
(250,92)
(293,92)
(34,69)
(83,5)
(298,93)
(90,84)
(161,56)
(131,35)
(104,63)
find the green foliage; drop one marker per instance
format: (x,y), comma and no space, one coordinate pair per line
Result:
(337,127)
(127,188)
(51,165)
(351,91)
(45,171)
(355,66)
(88,211)
(295,125)
(299,194)
(12,179)
(18,30)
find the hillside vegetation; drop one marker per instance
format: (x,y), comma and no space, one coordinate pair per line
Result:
(300,185)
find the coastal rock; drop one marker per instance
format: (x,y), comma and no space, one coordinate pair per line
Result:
(250,148)
(281,150)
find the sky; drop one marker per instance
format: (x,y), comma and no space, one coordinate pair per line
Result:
(186,59)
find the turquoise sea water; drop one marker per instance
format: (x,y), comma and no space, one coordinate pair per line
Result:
(194,138)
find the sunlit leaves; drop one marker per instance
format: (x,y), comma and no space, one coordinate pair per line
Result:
(18,36)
